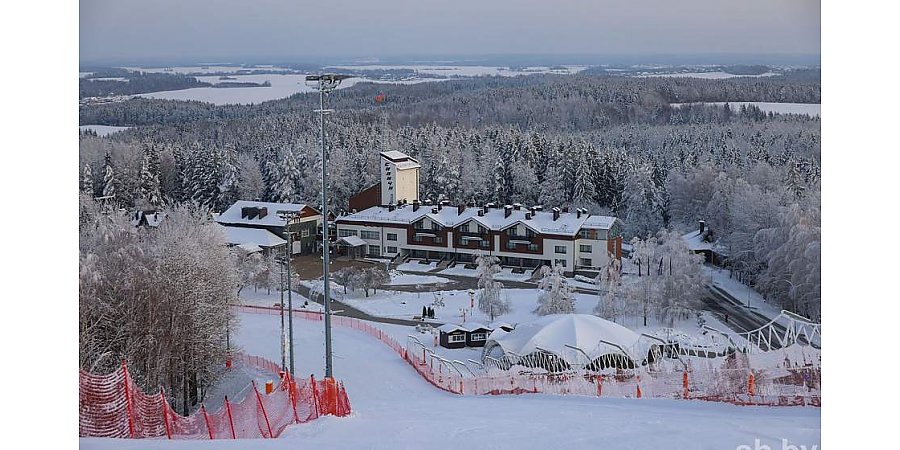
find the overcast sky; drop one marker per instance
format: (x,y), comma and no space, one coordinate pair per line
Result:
(228,30)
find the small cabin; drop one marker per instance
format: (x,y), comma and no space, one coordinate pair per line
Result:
(453,336)
(477,335)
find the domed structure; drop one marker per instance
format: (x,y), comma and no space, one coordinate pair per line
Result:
(548,343)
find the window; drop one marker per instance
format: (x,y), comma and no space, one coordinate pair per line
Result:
(345,233)
(510,245)
(417,238)
(374,250)
(369,234)
(304,232)
(479,336)
(435,226)
(584,248)
(561,262)
(528,233)
(485,244)
(532,247)
(392,249)
(586,262)
(584,234)
(456,338)
(392,236)
(560,249)
(438,240)
(419,225)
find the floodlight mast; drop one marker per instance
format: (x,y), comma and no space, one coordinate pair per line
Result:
(324,84)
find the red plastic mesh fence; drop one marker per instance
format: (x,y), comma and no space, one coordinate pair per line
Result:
(113,406)
(721,385)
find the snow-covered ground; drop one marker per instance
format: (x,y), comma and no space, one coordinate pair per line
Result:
(705,75)
(395,408)
(415,266)
(506,273)
(404,279)
(260,297)
(810,109)
(212,68)
(102,130)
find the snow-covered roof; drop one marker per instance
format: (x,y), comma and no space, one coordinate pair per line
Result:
(472,326)
(250,247)
(153,218)
(696,241)
(233,214)
(555,331)
(257,236)
(494,219)
(395,155)
(451,327)
(499,323)
(353,241)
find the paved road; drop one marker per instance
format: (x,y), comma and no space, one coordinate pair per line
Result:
(740,318)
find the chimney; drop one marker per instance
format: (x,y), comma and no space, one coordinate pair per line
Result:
(245,211)
(440,205)
(507,211)
(555,214)
(415,205)
(578,211)
(460,209)
(528,216)
(702,226)
(252,212)
(480,213)
(262,211)
(435,210)
(538,208)
(391,207)
(565,209)
(517,206)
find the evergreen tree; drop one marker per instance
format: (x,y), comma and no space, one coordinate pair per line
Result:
(109,178)
(87,180)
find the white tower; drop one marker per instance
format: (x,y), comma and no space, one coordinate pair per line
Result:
(399,178)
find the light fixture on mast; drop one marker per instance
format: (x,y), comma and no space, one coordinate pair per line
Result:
(325,83)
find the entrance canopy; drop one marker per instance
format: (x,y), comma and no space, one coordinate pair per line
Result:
(352,241)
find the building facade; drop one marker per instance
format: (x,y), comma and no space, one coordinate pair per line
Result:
(518,236)
(304,226)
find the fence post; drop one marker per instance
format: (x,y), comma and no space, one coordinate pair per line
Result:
(165,411)
(684,384)
(263,408)
(599,386)
(128,407)
(751,385)
(230,420)
(206,419)
(639,386)
(315,394)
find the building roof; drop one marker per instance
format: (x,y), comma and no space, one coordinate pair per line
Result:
(153,218)
(233,214)
(256,236)
(553,332)
(494,219)
(451,327)
(696,241)
(400,159)
(250,247)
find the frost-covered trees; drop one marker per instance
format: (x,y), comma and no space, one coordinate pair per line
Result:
(609,305)
(109,177)
(87,180)
(557,296)
(260,271)
(490,291)
(157,299)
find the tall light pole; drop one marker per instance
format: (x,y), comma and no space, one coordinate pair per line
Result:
(325,84)
(288,216)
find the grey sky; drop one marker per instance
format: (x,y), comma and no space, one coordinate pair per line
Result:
(227,29)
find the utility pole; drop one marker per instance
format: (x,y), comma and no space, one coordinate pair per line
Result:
(325,84)
(281,307)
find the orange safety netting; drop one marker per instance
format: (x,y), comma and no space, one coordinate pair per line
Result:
(720,385)
(113,406)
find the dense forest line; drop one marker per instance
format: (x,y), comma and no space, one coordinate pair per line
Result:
(124,82)
(611,144)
